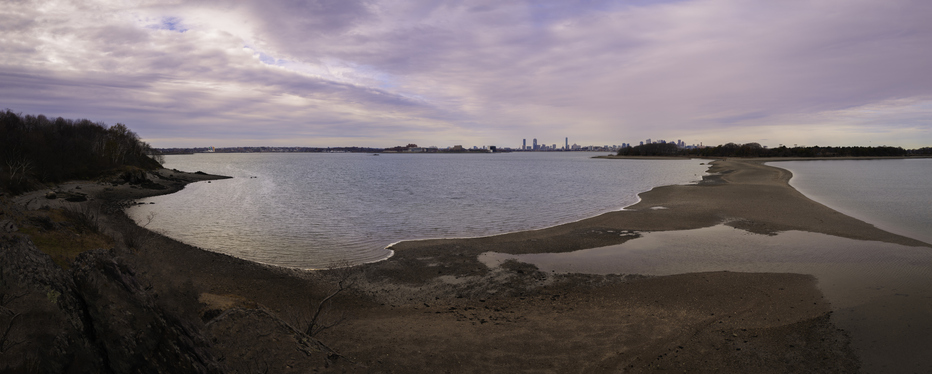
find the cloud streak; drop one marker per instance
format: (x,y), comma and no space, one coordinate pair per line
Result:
(384,72)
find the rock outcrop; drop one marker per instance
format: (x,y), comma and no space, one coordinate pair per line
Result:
(97,317)
(49,330)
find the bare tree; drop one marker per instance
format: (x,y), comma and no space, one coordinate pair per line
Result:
(323,318)
(86,214)
(252,367)
(137,239)
(18,167)
(7,296)
(6,341)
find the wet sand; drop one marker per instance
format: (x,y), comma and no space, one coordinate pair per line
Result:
(741,193)
(435,307)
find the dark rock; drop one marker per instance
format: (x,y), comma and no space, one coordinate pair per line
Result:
(153,186)
(135,177)
(97,318)
(8,225)
(136,335)
(51,329)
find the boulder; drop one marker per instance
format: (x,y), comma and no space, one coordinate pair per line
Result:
(7,225)
(135,177)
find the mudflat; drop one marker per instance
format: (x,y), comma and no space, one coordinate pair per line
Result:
(434,307)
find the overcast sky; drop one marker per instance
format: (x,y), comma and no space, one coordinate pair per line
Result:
(385,73)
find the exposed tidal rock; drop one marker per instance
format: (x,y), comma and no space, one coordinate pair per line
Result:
(134,177)
(48,329)
(7,225)
(136,335)
(95,318)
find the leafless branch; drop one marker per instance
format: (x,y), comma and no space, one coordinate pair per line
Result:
(345,281)
(5,342)
(7,295)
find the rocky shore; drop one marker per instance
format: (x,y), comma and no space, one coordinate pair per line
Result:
(147,303)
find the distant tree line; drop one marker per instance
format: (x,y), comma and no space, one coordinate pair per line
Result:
(756,150)
(924,151)
(36,149)
(652,149)
(188,151)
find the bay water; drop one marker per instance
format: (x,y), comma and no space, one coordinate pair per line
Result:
(316,210)
(881,293)
(892,194)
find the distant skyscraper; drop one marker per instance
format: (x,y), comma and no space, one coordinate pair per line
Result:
(523,143)
(567,144)
(535,144)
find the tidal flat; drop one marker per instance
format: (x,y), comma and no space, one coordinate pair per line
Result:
(434,306)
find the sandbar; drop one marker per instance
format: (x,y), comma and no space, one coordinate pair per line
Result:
(433,307)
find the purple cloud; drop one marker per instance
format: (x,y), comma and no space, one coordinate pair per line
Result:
(379,73)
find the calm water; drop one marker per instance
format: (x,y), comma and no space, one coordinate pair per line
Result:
(894,195)
(312,210)
(881,293)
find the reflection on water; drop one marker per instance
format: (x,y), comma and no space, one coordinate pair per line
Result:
(890,194)
(313,210)
(881,293)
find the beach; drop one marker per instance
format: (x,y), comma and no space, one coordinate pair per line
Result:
(433,306)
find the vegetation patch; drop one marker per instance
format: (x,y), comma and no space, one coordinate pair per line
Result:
(63,234)
(36,150)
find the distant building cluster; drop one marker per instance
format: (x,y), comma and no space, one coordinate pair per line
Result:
(414,148)
(564,147)
(597,148)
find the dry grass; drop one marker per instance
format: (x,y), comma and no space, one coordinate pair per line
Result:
(62,234)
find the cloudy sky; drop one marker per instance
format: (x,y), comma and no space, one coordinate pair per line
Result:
(388,72)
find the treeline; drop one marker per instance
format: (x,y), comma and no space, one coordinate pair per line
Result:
(756,150)
(188,151)
(36,149)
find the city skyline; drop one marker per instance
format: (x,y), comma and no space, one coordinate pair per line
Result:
(371,73)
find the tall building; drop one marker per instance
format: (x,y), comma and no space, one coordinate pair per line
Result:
(535,144)
(523,144)
(566,145)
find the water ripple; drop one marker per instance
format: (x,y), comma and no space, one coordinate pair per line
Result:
(310,210)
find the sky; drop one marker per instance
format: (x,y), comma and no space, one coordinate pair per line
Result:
(382,73)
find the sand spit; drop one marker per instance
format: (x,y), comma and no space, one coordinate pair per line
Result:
(433,307)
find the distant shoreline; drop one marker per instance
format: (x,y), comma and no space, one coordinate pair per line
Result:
(762,159)
(743,191)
